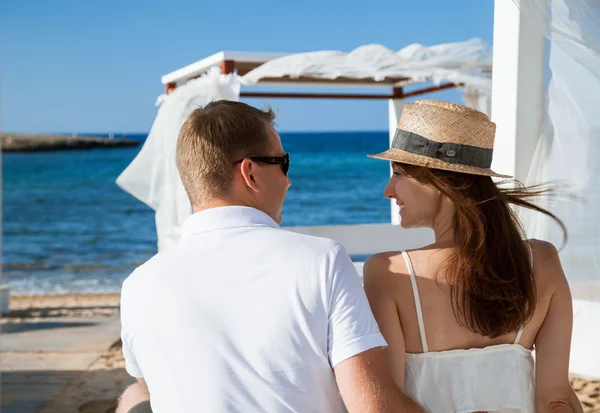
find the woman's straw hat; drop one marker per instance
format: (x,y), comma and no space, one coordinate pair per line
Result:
(443,135)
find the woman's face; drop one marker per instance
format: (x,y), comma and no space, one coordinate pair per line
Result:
(419,204)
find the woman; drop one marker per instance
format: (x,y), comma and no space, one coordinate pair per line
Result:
(462,315)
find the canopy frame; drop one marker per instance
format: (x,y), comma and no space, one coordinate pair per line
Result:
(243,62)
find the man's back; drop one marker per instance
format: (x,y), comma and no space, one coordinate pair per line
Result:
(243,316)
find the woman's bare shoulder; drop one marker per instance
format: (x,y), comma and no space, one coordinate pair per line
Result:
(542,247)
(382,267)
(547,269)
(383,262)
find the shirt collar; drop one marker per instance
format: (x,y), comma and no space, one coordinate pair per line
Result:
(225,217)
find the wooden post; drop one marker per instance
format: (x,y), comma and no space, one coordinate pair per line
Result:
(169,87)
(227,67)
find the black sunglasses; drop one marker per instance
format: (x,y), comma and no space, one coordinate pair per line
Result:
(283,161)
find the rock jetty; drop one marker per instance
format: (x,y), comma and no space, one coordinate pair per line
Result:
(13,142)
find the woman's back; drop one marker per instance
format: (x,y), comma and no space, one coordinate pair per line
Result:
(446,366)
(443,329)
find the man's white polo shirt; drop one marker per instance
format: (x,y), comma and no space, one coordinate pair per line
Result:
(242,316)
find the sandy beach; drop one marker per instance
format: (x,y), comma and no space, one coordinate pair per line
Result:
(95,389)
(90,386)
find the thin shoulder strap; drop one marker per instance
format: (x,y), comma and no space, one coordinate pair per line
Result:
(520,333)
(413,282)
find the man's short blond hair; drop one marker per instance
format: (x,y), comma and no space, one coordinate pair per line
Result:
(214,137)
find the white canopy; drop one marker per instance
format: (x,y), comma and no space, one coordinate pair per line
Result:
(461,63)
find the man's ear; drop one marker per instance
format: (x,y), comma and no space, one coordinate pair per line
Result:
(248,171)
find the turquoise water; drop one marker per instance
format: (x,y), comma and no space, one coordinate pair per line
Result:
(68,228)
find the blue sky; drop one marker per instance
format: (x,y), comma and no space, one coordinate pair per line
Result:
(83,66)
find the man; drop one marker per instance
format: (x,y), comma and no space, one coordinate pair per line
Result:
(241,316)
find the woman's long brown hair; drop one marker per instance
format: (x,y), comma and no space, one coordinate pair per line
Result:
(490,273)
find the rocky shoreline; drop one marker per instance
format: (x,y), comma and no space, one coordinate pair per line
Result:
(13,142)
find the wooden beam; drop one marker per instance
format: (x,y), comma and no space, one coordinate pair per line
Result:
(227,67)
(313,95)
(397,93)
(169,87)
(429,90)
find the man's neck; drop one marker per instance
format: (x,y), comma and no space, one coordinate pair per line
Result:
(219,203)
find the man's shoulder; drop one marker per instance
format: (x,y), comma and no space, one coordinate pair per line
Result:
(285,243)
(144,272)
(310,243)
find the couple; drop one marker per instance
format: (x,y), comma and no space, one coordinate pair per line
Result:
(242,316)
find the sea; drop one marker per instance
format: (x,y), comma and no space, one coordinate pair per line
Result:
(68,228)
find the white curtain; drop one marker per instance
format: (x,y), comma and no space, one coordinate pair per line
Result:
(567,155)
(152,177)
(566,150)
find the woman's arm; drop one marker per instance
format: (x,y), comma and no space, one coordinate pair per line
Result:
(377,281)
(553,391)
(575,403)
